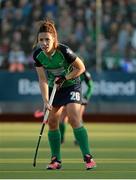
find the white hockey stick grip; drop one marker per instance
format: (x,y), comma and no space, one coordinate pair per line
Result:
(50,102)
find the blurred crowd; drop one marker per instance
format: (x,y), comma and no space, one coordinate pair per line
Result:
(118,38)
(76,25)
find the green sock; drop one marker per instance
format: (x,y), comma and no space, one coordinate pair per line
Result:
(62,128)
(82,139)
(54,141)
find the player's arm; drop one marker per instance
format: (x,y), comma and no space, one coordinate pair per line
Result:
(78,69)
(74,61)
(43,83)
(89,82)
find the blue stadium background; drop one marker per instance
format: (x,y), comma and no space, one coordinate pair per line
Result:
(76,22)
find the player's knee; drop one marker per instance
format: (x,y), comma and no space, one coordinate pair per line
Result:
(74,116)
(52,124)
(74,121)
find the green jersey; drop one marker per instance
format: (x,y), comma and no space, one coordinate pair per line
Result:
(58,64)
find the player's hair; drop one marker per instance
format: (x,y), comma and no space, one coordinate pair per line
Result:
(49,27)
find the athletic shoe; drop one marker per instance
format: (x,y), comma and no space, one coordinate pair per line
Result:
(38,114)
(90,163)
(54,164)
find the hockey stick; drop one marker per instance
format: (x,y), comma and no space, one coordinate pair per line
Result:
(44,122)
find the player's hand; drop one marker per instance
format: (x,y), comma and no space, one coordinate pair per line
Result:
(60,80)
(47,107)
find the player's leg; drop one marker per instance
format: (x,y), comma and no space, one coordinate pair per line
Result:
(54,138)
(62,124)
(80,133)
(82,110)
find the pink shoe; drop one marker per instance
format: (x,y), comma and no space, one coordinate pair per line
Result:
(90,163)
(55,164)
(38,114)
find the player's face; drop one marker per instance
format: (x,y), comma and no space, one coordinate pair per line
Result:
(46,41)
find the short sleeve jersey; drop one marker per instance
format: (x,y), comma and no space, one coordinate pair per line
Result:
(59,63)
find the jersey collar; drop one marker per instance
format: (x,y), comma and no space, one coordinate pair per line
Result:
(51,53)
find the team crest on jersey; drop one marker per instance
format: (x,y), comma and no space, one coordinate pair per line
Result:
(69,51)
